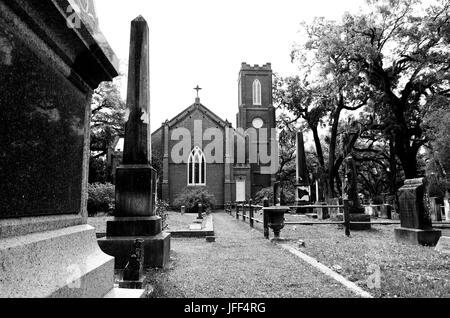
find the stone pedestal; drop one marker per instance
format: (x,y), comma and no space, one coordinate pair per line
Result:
(417,236)
(416,225)
(360,217)
(49,69)
(156,249)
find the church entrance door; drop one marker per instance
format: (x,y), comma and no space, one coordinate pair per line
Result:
(240,190)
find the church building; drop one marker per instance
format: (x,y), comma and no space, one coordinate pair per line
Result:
(227,178)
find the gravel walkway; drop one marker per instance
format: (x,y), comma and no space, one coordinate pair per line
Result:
(240,264)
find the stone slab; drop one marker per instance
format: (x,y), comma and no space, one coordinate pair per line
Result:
(131,284)
(134,226)
(443,245)
(124,293)
(65,263)
(207,230)
(30,225)
(195,227)
(156,249)
(417,236)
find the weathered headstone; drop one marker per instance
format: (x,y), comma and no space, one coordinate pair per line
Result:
(135,214)
(350,191)
(385,211)
(435,210)
(416,225)
(334,211)
(49,69)
(322,213)
(447,205)
(303,186)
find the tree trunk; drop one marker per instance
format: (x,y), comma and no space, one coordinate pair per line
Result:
(406,154)
(392,167)
(318,146)
(332,155)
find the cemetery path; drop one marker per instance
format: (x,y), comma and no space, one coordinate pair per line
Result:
(242,264)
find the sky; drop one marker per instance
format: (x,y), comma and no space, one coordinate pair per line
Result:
(204,42)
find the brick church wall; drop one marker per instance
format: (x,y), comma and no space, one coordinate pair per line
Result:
(215,172)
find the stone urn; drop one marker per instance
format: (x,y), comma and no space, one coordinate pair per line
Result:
(275,216)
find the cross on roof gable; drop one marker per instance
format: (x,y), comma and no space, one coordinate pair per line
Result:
(197,106)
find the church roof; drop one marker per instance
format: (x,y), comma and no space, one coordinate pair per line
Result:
(202,108)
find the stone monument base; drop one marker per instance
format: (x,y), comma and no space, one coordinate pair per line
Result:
(62,263)
(360,217)
(417,236)
(156,249)
(134,226)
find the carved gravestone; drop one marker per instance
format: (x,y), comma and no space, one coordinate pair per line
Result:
(447,205)
(416,225)
(435,210)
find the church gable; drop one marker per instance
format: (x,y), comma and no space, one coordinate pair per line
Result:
(194,120)
(198,111)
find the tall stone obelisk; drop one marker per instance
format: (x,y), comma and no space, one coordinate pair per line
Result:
(135,215)
(303,187)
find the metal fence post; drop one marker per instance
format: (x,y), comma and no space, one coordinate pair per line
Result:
(346,218)
(251,212)
(266,219)
(237,210)
(243,210)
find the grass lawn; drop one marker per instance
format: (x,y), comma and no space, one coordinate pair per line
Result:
(240,264)
(406,270)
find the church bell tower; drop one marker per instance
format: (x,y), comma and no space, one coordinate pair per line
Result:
(256,111)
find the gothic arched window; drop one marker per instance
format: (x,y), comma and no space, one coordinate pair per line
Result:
(197,168)
(256,92)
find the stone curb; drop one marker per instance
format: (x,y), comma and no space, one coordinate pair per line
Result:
(327,271)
